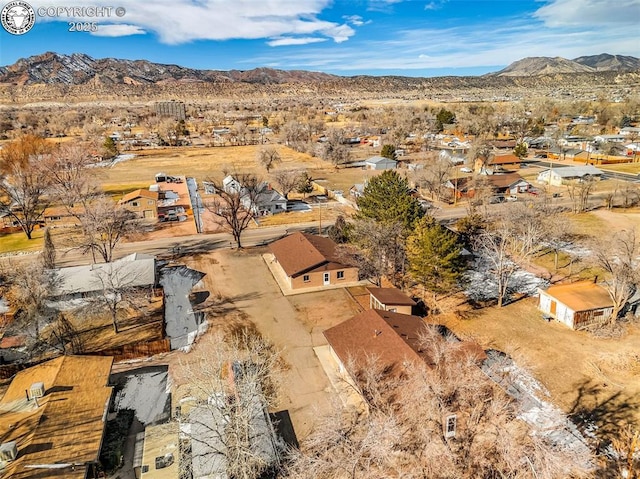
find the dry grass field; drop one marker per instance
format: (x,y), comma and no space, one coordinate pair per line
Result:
(580,371)
(200,163)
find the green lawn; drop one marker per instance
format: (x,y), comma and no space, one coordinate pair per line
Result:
(633,168)
(18,241)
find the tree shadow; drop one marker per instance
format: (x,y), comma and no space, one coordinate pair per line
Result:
(602,415)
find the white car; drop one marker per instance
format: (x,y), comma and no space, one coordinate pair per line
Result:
(466,169)
(512,198)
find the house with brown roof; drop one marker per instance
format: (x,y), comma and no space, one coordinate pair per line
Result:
(52,419)
(143,203)
(61,216)
(394,339)
(576,304)
(390,299)
(308,261)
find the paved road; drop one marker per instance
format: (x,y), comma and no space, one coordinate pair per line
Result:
(184,245)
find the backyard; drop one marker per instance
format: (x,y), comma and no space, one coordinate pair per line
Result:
(581,372)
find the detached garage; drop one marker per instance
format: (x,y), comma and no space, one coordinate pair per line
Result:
(577,304)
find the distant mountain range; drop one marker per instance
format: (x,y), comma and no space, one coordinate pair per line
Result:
(604,62)
(80,69)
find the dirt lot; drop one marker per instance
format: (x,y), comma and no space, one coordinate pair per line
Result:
(294,325)
(580,371)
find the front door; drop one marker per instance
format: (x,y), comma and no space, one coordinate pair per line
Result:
(326,278)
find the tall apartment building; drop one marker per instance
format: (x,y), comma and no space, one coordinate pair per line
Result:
(173,109)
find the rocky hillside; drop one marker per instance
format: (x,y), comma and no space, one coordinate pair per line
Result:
(542,66)
(533,66)
(606,62)
(80,69)
(52,78)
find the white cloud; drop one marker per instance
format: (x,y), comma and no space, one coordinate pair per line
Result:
(435,5)
(466,46)
(559,13)
(121,30)
(181,21)
(280,42)
(356,20)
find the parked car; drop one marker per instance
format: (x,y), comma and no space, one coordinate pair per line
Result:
(512,198)
(465,169)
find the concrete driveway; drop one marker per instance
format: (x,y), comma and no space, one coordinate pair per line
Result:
(306,391)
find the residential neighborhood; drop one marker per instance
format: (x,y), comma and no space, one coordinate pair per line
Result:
(292,274)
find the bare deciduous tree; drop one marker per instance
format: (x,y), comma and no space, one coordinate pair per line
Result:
(579,192)
(334,149)
(619,257)
(104,224)
(119,291)
(71,179)
(287,180)
(234,204)
(509,243)
(230,430)
(30,287)
(24,182)
(433,177)
(407,430)
(268,158)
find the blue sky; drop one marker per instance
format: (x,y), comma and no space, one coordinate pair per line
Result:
(378,37)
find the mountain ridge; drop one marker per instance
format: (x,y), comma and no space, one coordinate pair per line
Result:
(604,62)
(80,69)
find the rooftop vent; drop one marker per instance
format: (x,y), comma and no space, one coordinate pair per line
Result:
(36,390)
(8,451)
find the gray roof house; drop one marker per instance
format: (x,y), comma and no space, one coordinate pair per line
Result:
(265,201)
(135,270)
(380,163)
(557,176)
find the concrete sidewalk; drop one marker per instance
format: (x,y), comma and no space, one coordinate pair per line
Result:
(283,281)
(345,391)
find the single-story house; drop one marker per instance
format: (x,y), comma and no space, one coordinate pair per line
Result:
(508,183)
(133,271)
(60,216)
(143,203)
(208,423)
(54,414)
(505,162)
(380,163)
(576,304)
(267,201)
(309,261)
(558,176)
(501,184)
(264,201)
(390,299)
(394,339)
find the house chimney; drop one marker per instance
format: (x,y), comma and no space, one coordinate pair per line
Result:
(376,333)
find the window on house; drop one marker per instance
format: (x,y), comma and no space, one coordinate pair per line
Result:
(598,313)
(340,275)
(306,278)
(150,202)
(135,203)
